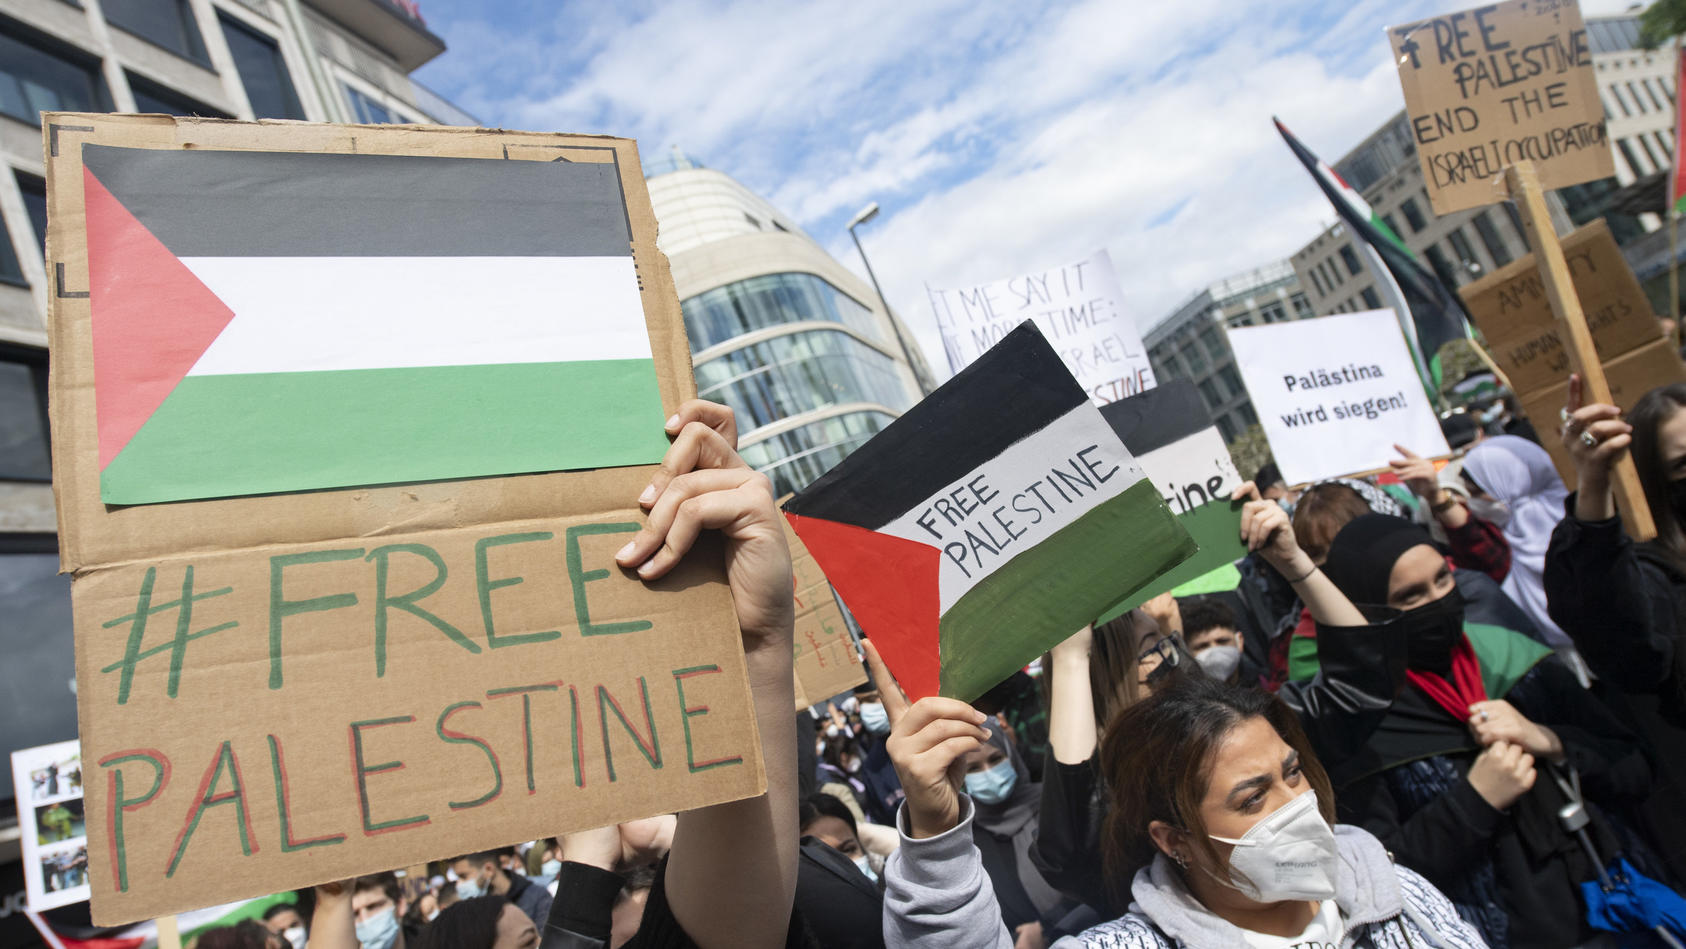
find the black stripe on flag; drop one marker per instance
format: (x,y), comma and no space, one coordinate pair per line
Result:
(1171,411)
(202,203)
(1014,390)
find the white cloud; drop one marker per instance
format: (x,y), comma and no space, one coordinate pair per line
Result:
(996,136)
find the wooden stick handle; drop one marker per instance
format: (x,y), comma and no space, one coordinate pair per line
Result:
(1524,184)
(169,935)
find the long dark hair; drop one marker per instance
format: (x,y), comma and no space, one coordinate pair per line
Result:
(1157,760)
(465,924)
(1647,417)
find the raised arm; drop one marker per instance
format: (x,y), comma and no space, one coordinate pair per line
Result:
(332,925)
(1265,528)
(731,876)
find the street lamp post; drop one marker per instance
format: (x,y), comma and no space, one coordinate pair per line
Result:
(866,214)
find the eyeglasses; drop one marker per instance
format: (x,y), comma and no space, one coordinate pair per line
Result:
(1160,650)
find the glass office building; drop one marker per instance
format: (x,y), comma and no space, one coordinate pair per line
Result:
(798,346)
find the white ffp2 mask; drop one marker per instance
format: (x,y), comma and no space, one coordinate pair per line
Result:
(1290,855)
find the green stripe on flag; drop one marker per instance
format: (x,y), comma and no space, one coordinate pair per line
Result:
(1216,529)
(259,433)
(1076,567)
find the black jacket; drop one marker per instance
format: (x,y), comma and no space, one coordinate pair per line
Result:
(1362,668)
(842,908)
(1624,604)
(582,914)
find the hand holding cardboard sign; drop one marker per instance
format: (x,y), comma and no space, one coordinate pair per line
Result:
(1595,438)
(719,417)
(704,484)
(927,742)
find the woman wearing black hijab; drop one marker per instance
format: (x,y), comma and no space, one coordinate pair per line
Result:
(1005,804)
(1461,778)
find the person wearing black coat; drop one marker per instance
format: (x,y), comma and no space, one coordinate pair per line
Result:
(1624,603)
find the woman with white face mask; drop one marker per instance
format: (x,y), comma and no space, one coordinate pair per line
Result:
(1218,833)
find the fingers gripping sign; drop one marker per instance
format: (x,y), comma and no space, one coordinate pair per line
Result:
(927,743)
(704,484)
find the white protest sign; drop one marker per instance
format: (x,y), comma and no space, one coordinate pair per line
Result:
(1079,308)
(52,824)
(1335,393)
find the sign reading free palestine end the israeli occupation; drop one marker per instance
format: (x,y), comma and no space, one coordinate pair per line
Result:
(1079,307)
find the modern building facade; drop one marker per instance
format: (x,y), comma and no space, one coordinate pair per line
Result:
(1192,343)
(802,350)
(1637,89)
(317,60)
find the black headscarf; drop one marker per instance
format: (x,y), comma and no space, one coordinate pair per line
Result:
(1362,555)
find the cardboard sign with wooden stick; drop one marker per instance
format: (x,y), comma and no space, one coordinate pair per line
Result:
(1503,102)
(348,423)
(1502,83)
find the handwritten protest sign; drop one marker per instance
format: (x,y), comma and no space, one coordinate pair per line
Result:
(1334,394)
(987,523)
(1080,309)
(279,690)
(1498,84)
(826,660)
(1511,307)
(1169,431)
(52,824)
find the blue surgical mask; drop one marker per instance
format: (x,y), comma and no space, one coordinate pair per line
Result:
(994,784)
(865,866)
(378,931)
(548,871)
(875,718)
(468,889)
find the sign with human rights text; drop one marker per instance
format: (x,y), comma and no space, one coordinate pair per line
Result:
(1501,83)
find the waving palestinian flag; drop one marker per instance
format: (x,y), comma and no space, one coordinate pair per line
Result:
(988,523)
(273,321)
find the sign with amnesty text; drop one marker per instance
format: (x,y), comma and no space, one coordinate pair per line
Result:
(1079,308)
(1489,87)
(987,523)
(330,617)
(1334,394)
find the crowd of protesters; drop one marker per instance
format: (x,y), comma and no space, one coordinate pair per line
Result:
(1445,711)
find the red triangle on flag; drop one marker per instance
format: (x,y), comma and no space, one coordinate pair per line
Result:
(152,318)
(890,585)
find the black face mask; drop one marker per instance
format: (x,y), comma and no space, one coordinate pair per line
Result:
(1431,630)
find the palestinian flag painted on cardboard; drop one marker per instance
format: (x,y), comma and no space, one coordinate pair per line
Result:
(988,523)
(274,321)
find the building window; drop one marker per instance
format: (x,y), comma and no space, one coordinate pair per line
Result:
(1317,281)
(1651,90)
(794,459)
(1273,313)
(754,221)
(717,315)
(33,80)
(11,269)
(1248,416)
(263,72)
(155,98)
(800,372)
(1209,392)
(1214,346)
(166,23)
(1616,90)
(1650,156)
(23,415)
(1633,164)
(367,110)
(1664,145)
(1226,428)
(1232,379)
(1333,273)
(1413,216)
(1392,225)
(1350,259)
(1196,362)
(1442,267)
(1302,306)
(1371,300)
(1462,249)
(35,202)
(1489,235)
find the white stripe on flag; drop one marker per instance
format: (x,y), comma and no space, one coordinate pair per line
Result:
(1016,500)
(299,314)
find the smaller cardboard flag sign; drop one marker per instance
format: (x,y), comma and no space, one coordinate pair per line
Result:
(987,523)
(1170,432)
(826,661)
(52,824)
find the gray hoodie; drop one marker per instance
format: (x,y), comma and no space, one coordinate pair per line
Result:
(938,896)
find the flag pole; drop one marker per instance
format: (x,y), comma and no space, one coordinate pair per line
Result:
(1524,185)
(1671,217)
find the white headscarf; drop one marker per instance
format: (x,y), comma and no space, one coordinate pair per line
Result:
(1520,474)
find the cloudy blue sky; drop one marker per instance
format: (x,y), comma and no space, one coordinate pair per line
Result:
(997,137)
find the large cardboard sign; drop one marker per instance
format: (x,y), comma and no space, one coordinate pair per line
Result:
(276,690)
(1080,309)
(1512,310)
(1334,394)
(52,823)
(1169,430)
(1498,84)
(826,661)
(987,523)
